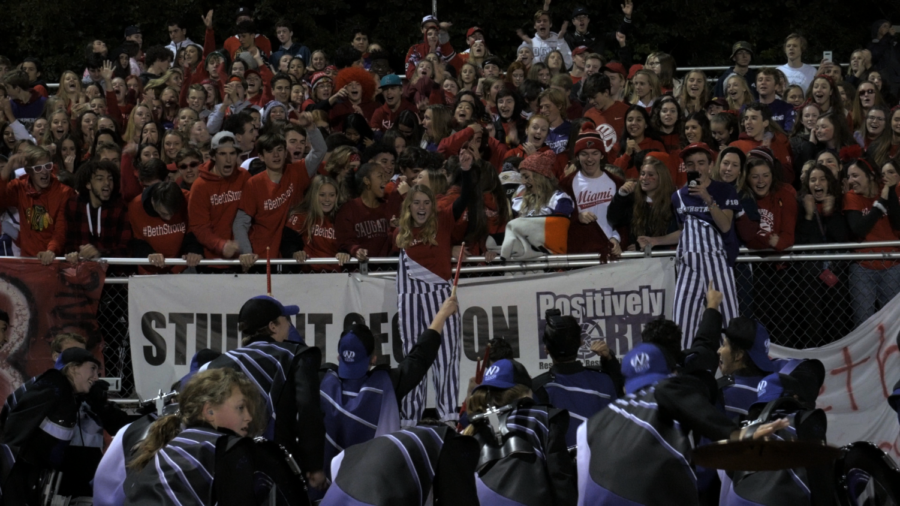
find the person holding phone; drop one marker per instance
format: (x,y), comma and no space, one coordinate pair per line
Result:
(708,244)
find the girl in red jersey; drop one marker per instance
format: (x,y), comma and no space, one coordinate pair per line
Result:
(639,136)
(667,120)
(423,283)
(363,224)
(758,129)
(871,209)
(309,231)
(777,205)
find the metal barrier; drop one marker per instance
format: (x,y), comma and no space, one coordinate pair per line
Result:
(786,291)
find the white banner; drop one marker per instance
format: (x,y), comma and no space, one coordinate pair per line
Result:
(171,317)
(860,372)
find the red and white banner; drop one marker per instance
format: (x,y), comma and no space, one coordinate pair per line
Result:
(860,371)
(43,301)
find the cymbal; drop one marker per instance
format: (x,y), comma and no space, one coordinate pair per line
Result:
(763,455)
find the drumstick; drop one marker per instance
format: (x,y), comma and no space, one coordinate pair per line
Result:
(462,252)
(479,370)
(268,273)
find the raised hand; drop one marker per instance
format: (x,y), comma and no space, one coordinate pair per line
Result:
(627,8)
(208,19)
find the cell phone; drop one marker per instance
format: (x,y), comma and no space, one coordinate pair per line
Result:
(826,55)
(693,178)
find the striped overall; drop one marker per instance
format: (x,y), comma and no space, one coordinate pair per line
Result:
(420,294)
(701,258)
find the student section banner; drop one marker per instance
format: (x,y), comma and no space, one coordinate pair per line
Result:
(43,301)
(173,316)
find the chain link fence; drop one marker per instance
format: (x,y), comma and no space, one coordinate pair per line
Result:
(804,301)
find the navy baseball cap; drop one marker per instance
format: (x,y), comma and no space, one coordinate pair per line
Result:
(262,309)
(643,366)
(354,350)
(390,80)
(75,355)
(505,374)
(769,388)
(752,336)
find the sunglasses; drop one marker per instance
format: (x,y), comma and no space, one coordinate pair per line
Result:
(41,168)
(866,92)
(186,166)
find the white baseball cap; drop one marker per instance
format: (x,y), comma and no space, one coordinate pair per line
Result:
(221,137)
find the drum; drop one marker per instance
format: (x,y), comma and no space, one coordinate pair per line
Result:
(867,476)
(278,472)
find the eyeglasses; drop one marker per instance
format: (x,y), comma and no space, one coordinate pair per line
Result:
(186,166)
(866,92)
(41,168)
(875,118)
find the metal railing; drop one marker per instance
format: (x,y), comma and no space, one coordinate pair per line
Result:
(784,290)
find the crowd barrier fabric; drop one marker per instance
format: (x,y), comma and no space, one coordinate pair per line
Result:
(170,317)
(43,301)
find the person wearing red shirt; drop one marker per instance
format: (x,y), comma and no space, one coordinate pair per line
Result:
(269,195)
(535,134)
(309,231)
(244,22)
(159,224)
(757,128)
(871,209)
(215,198)
(383,118)
(777,204)
(607,114)
(363,224)
(97,217)
(359,95)
(423,237)
(435,40)
(41,202)
(492,150)
(639,136)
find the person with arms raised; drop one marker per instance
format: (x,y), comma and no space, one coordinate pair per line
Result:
(361,399)
(644,438)
(582,391)
(423,237)
(268,196)
(41,202)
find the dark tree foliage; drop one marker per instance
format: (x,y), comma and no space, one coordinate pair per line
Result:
(695,32)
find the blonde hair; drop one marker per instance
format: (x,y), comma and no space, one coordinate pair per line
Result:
(655,90)
(159,83)
(484,398)
(310,205)
(131,130)
(542,189)
(746,96)
(211,387)
(691,105)
(440,123)
(48,134)
(338,161)
(59,339)
(428,234)
(654,222)
(63,94)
